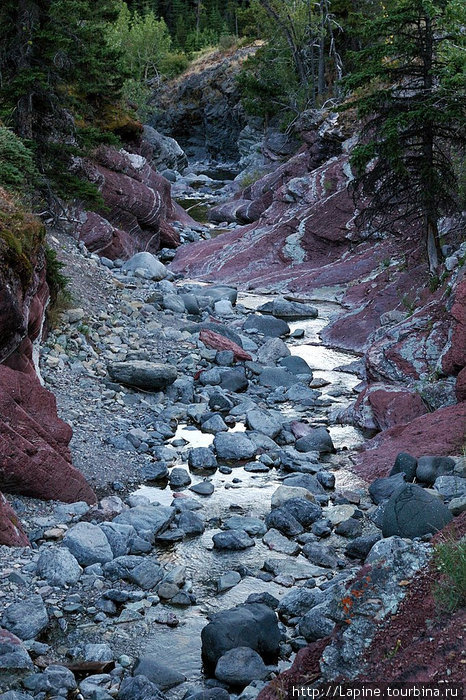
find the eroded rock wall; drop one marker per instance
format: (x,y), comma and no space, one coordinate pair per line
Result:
(34,455)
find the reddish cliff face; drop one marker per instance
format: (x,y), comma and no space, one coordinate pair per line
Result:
(299,235)
(35,459)
(139,210)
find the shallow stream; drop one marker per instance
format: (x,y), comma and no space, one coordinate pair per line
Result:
(246,493)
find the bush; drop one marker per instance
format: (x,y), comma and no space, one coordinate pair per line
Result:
(56,280)
(450,561)
(17,168)
(173,64)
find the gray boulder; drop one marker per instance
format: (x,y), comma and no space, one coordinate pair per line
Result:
(263,422)
(296,365)
(179,477)
(413,512)
(240,666)
(191,523)
(88,543)
(271,351)
(166,152)
(200,458)
(320,555)
(450,486)
(141,374)
(58,566)
(152,267)
(27,618)
(253,526)
(381,489)
(153,518)
(234,446)
(298,602)
(430,468)
(252,624)
(316,624)
(267,325)
(406,464)
(120,537)
(283,521)
(290,310)
(139,688)
(14,660)
(279,543)
(232,540)
(274,377)
(318,440)
(203,488)
(163,676)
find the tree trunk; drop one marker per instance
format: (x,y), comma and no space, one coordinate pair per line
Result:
(434,252)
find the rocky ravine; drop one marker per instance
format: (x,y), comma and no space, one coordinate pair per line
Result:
(110,594)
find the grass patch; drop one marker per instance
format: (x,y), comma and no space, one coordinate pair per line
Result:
(450,562)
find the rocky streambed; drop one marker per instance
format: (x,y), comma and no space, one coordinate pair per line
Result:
(204,420)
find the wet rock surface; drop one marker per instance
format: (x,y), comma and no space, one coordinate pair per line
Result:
(228,529)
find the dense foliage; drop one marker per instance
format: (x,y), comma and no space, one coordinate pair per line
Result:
(195,24)
(57,73)
(410,94)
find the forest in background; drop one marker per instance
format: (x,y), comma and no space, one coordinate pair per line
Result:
(74,74)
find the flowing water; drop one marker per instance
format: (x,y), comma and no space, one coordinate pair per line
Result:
(247,493)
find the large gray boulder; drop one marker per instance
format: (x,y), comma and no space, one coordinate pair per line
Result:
(148,265)
(88,544)
(289,310)
(27,618)
(267,325)
(163,676)
(232,540)
(240,666)
(298,602)
(263,422)
(153,518)
(120,537)
(139,688)
(316,624)
(271,351)
(166,152)
(430,468)
(234,446)
(58,566)
(251,625)
(141,374)
(413,512)
(318,440)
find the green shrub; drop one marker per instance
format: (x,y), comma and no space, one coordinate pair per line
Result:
(56,280)
(174,64)
(17,167)
(450,561)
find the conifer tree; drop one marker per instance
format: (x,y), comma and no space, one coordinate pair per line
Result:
(412,102)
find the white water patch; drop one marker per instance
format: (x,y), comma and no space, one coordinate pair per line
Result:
(36,346)
(292,248)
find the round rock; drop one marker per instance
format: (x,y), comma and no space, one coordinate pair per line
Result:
(240,666)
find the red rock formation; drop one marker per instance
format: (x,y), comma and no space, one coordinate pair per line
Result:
(36,460)
(304,671)
(139,209)
(382,406)
(455,357)
(11,530)
(34,455)
(219,342)
(442,432)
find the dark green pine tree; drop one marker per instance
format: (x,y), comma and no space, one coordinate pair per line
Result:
(53,58)
(56,71)
(411,97)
